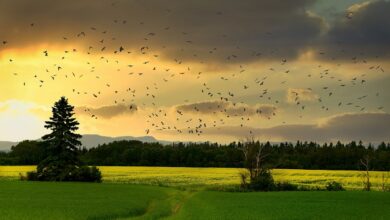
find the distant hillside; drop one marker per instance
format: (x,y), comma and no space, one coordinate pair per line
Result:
(93,140)
(6,145)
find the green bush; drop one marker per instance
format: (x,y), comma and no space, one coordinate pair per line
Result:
(334,186)
(310,188)
(32,175)
(67,173)
(285,186)
(87,174)
(263,181)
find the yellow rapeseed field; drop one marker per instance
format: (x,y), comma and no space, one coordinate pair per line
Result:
(186,176)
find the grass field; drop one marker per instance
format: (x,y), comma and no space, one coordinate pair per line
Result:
(215,177)
(93,201)
(44,200)
(287,205)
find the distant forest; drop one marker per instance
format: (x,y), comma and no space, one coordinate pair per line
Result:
(301,155)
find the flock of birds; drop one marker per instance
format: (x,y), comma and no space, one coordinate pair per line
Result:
(227,105)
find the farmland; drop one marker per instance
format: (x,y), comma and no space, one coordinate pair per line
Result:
(187,193)
(287,205)
(92,201)
(44,200)
(215,177)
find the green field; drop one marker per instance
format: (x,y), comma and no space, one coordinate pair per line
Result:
(287,205)
(216,177)
(93,201)
(44,200)
(188,193)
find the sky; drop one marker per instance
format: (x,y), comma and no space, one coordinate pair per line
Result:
(205,70)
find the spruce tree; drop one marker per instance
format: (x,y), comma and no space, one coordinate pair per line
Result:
(62,144)
(62,141)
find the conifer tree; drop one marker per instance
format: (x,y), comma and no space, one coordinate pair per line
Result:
(62,162)
(63,141)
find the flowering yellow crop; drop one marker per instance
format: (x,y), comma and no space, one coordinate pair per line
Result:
(188,176)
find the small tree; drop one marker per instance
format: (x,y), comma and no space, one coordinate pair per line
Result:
(365,162)
(254,161)
(62,163)
(384,185)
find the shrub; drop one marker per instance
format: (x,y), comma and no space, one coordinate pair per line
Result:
(67,173)
(285,186)
(32,175)
(244,176)
(334,186)
(87,174)
(310,188)
(263,181)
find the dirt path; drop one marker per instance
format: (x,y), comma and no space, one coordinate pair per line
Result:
(165,208)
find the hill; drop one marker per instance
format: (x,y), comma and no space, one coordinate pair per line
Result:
(93,140)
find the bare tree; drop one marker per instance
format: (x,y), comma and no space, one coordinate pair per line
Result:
(365,162)
(255,162)
(385,177)
(254,157)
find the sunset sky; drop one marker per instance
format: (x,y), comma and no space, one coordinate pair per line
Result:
(218,70)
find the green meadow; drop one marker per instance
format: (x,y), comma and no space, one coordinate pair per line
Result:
(45,200)
(287,205)
(93,201)
(187,193)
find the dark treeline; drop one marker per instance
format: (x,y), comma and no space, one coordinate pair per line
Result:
(301,155)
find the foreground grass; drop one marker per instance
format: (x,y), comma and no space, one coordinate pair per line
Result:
(216,177)
(92,201)
(287,205)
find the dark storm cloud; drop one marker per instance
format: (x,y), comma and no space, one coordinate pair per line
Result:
(368,127)
(366,33)
(228,108)
(108,112)
(204,30)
